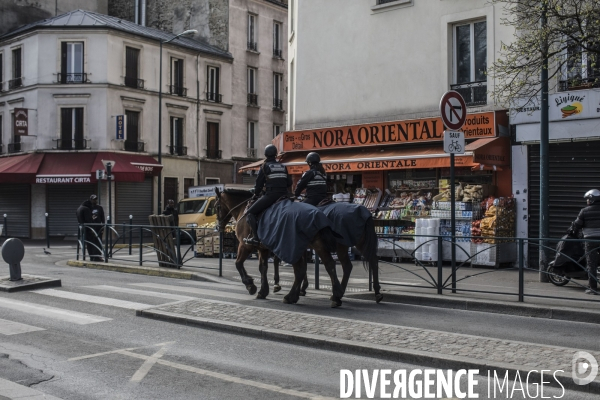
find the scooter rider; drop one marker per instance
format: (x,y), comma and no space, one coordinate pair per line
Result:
(313,180)
(275,178)
(589,222)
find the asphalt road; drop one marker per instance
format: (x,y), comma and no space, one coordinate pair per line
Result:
(83,341)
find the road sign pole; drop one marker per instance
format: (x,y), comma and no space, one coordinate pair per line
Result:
(452,221)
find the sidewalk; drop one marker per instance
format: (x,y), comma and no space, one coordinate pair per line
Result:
(14,391)
(418,346)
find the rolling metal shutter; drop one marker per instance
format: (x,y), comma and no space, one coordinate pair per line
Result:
(15,202)
(574,169)
(63,201)
(134,198)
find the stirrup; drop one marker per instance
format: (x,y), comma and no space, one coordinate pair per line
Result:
(252,241)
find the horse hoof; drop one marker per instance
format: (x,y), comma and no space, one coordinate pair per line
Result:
(252,289)
(378,297)
(303,293)
(276,288)
(259,296)
(336,303)
(286,301)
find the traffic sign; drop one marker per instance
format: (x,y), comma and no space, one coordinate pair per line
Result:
(453,110)
(454,142)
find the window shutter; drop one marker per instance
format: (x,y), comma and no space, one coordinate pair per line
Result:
(63,63)
(17,63)
(180,73)
(66,130)
(78,134)
(217,81)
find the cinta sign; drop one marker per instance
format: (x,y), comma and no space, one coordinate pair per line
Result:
(121,127)
(386,133)
(21,122)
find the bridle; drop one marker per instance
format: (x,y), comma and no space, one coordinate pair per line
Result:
(218,207)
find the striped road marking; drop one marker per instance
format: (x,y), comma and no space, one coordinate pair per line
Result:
(14,328)
(169,296)
(51,312)
(130,305)
(196,291)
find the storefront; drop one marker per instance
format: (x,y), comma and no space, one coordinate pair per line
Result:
(57,184)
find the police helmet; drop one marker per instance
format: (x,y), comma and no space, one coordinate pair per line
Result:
(592,195)
(270,151)
(313,158)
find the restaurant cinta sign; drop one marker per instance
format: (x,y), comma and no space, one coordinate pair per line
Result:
(21,122)
(386,133)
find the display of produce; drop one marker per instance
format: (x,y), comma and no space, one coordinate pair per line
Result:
(360,195)
(499,220)
(409,184)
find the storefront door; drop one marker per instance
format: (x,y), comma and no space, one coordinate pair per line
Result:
(15,202)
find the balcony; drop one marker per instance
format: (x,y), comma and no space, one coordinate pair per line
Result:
(592,81)
(134,82)
(79,77)
(214,97)
(213,154)
(253,46)
(178,150)
(15,83)
(252,153)
(277,53)
(252,99)
(474,93)
(278,104)
(14,148)
(136,147)
(71,144)
(178,90)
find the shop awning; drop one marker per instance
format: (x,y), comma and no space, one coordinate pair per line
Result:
(491,151)
(252,167)
(20,169)
(66,168)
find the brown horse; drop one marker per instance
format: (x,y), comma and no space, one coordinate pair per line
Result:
(367,245)
(232,203)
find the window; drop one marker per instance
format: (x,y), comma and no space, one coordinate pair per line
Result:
(176,86)
(277,102)
(187,184)
(71,129)
(132,68)
(177,147)
(276,39)
(132,143)
(252,96)
(582,67)
(276,130)
(212,82)
(171,190)
(252,45)
(1,72)
(212,181)
(470,62)
(17,73)
(252,139)
(212,141)
(71,65)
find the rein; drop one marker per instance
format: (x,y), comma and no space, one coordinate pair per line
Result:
(229,213)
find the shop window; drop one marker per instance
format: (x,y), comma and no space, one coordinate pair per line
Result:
(71,129)
(71,67)
(470,62)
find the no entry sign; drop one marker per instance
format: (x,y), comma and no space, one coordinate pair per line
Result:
(453,110)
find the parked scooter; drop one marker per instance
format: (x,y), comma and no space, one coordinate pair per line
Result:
(569,262)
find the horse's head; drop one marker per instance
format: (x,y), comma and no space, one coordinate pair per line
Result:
(222,210)
(230,203)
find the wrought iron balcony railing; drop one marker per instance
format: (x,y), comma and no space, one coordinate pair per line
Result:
(253,46)
(474,93)
(79,77)
(71,144)
(14,147)
(252,153)
(137,147)
(178,90)
(134,82)
(278,104)
(277,53)
(15,83)
(580,83)
(214,97)
(214,154)
(178,150)
(252,99)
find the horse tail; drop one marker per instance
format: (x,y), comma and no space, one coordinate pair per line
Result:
(369,250)
(329,239)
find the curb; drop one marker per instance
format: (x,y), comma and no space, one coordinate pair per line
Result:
(14,391)
(150,271)
(369,350)
(488,306)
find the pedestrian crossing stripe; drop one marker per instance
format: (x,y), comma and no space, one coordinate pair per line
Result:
(14,328)
(51,312)
(94,299)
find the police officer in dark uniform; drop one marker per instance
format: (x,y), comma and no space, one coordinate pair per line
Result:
(276,180)
(313,180)
(588,221)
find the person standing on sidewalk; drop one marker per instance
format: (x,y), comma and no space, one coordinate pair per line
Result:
(588,221)
(172,210)
(98,219)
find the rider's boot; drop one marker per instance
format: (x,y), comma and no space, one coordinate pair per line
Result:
(252,223)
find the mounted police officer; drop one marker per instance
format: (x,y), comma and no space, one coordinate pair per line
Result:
(313,180)
(588,221)
(275,178)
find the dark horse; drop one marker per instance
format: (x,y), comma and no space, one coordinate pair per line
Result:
(367,245)
(232,204)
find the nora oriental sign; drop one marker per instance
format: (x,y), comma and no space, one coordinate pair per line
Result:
(386,133)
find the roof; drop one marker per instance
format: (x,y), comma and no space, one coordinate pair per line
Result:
(88,19)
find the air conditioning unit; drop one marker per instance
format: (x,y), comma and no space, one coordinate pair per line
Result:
(252,153)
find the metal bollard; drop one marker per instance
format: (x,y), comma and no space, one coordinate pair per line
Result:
(141,244)
(47,232)
(521,270)
(130,232)
(13,252)
(440,284)
(220,253)
(106,239)
(78,239)
(178,249)
(5,226)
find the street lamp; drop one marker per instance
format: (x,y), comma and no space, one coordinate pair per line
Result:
(160,114)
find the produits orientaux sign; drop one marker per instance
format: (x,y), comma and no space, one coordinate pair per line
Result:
(121,127)
(21,122)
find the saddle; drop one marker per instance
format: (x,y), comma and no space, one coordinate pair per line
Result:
(251,202)
(324,202)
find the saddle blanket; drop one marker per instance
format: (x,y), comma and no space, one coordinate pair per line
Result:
(287,227)
(348,220)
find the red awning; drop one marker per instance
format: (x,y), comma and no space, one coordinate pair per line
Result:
(492,152)
(20,169)
(66,168)
(149,165)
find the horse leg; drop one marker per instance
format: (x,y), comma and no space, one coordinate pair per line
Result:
(299,272)
(329,262)
(374,267)
(276,287)
(247,280)
(263,266)
(305,281)
(342,253)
